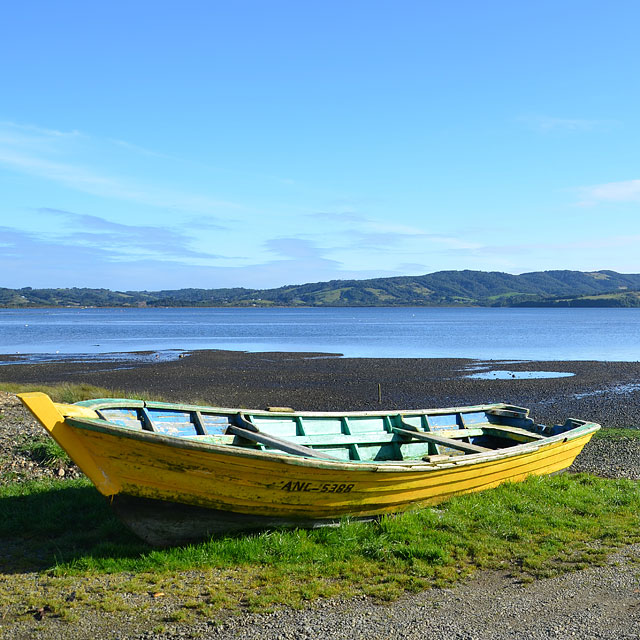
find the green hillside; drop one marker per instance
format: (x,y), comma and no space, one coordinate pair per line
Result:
(443,288)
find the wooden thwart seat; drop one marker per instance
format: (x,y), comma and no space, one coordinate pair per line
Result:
(250,432)
(441,440)
(501,430)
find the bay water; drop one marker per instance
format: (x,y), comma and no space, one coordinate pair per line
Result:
(480,333)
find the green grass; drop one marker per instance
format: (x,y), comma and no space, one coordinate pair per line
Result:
(538,528)
(44,450)
(612,433)
(72,392)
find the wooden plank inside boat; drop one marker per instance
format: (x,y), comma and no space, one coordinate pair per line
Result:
(250,432)
(467,447)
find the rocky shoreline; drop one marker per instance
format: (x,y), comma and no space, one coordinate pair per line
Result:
(599,602)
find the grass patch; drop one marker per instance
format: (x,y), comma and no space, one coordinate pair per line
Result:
(613,433)
(539,528)
(72,392)
(45,451)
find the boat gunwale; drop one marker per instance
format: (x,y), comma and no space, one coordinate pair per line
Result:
(104,426)
(115,403)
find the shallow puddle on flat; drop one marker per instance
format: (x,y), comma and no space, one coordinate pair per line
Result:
(615,390)
(518,375)
(135,357)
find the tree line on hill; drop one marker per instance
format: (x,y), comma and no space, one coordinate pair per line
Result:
(443,288)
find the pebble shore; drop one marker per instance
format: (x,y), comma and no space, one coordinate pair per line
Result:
(598,602)
(593,604)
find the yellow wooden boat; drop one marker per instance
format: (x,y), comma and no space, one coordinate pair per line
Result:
(177,473)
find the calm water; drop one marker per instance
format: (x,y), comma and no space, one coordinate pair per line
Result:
(527,334)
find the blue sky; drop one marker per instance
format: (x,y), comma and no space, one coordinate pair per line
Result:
(149,145)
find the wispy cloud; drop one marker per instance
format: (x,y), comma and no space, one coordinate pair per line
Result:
(295,248)
(29,259)
(119,241)
(362,232)
(69,175)
(45,154)
(40,131)
(28,136)
(624,191)
(207,223)
(303,260)
(409,268)
(140,150)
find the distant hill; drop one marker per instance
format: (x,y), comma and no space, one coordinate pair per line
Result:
(443,288)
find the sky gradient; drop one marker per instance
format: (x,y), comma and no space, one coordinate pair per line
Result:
(160,145)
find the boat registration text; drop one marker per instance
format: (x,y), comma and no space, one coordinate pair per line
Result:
(325,487)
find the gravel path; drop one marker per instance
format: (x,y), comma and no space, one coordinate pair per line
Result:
(599,602)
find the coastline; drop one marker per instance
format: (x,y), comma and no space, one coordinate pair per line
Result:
(604,392)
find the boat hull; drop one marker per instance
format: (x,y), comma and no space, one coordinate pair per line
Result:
(162,523)
(177,516)
(172,490)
